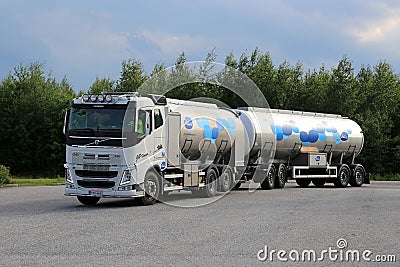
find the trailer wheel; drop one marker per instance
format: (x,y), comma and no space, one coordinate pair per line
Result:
(303,182)
(226,180)
(269,181)
(357,179)
(281,176)
(90,201)
(343,176)
(211,184)
(318,182)
(151,189)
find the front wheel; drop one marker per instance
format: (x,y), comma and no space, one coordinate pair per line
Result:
(90,201)
(152,189)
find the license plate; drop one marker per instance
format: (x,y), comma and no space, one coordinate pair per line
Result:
(96,193)
(96,167)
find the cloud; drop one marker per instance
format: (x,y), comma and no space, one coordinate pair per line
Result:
(74,38)
(172,44)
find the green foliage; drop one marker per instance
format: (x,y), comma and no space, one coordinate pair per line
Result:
(4,175)
(102,85)
(32,107)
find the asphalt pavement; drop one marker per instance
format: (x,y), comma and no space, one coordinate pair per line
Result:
(39,226)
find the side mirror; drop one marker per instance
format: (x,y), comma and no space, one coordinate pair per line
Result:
(65,122)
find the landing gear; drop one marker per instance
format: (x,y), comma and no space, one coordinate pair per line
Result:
(303,182)
(318,182)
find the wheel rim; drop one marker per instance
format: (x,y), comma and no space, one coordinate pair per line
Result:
(151,188)
(226,180)
(282,176)
(359,177)
(270,177)
(344,177)
(211,184)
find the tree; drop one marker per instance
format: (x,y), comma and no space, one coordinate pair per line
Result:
(132,76)
(32,108)
(101,85)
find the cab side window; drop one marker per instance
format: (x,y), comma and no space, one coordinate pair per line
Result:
(158,119)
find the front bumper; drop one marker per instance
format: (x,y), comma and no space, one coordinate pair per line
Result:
(106,193)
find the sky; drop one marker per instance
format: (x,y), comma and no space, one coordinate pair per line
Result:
(85,39)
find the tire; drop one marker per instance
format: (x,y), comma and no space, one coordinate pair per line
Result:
(226,180)
(319,182)
(90,201)
(303,182)
(281,176)
(358,177)
(343,177)
(211,184)
(269,181)
(152,189)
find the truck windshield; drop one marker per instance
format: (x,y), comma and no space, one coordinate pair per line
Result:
(99,122)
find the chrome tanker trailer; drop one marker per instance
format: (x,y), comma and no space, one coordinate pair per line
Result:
(126,145)
(310,147)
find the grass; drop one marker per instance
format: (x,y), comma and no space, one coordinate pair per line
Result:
(38,182)
(386,177)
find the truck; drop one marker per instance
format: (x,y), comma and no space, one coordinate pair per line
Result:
(124,145)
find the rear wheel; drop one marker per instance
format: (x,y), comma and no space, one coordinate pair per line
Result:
(211,184)
(269,181)
(357,179)
(152,189)
(226,180)
(318,182)
(281,176)
(303,182)
(343,176)
(90,201)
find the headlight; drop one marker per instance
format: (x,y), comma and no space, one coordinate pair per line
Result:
(126,178)
(93,98)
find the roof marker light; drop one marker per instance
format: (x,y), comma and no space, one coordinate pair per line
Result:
(100,98)
(109,98)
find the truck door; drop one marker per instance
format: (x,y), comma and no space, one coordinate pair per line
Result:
(159,133)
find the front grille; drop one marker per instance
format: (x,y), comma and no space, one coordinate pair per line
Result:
(96,174)
(96,184)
